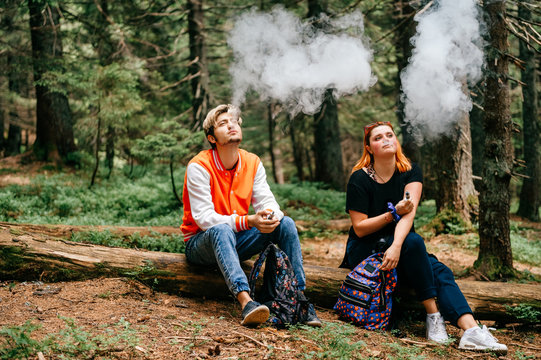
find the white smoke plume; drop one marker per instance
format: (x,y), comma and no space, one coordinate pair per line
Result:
(293,62)
(447,54)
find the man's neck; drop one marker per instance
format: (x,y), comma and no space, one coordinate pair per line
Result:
(229,155)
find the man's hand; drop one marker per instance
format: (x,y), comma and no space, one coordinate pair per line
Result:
(403,207)
(261,222)
(390,258)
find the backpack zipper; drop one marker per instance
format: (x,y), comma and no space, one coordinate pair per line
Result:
(354,301)
(358,285)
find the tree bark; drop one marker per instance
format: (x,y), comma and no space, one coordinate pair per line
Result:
(54,127)
(32,255)
(12,144)
(454,182)
(403,15)
(530,197)
(297,145)
(327,146)
(198,63)
(495,257)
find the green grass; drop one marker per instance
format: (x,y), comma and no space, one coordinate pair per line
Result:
(17,342)
(173,243)
(336,340)
(147,200)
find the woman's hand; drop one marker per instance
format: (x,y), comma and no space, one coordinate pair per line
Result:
(391,257)
(403,207)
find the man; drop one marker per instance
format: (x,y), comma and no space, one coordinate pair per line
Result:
(219,186)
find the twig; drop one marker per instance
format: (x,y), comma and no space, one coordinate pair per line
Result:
(189,337)
(526,346)
(409,341)
(256,341)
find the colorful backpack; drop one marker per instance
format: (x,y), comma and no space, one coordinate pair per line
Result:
(287,304)
(365,296)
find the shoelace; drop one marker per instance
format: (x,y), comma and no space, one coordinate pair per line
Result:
(487,332)
(436,329)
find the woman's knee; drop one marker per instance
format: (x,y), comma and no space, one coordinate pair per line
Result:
(414,243)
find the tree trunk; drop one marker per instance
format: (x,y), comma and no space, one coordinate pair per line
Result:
(495,257)
(31,255)
(14,140)
(327,146)
(54,126)
(198,70)
(297,145)
(171,172)
(272,124)
(110,149)
(12,145)
(453,171)
(530,197)
(403,14)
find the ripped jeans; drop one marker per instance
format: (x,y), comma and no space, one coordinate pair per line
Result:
(221,246)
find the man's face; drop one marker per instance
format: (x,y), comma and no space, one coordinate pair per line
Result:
(226,130)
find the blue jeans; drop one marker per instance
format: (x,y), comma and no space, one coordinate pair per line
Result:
(422,272)
(221,246)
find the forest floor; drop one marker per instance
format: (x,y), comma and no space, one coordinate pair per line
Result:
(139,323)
(117,318)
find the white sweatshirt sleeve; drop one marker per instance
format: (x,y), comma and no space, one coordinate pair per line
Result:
(262,196)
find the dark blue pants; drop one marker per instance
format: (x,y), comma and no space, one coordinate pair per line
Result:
(420,271)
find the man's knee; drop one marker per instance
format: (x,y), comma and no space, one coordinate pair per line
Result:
(220,230)
(221,233)
(288,225)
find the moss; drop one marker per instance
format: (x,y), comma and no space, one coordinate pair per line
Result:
(449,221)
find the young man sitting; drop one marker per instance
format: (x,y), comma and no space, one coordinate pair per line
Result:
(220,185)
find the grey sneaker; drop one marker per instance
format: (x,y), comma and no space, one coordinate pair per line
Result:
(481,339)
(435,329)
(312,319)
(254,314)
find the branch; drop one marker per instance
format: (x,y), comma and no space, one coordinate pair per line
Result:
(427,6)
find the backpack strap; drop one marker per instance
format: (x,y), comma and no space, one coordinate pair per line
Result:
(383,284)
(257,268)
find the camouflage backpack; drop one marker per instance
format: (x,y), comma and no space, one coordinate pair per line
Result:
(365,296)
(287,304)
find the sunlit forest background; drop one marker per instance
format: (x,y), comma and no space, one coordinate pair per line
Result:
(107,98)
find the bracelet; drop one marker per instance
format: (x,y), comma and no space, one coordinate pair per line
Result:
(391,208)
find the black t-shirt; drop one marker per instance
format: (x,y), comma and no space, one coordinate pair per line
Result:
(366,196)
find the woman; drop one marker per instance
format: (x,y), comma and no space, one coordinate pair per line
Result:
(382,197)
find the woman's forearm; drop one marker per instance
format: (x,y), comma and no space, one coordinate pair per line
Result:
(366,226)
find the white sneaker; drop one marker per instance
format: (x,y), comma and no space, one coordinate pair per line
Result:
(435,329)
(480,338)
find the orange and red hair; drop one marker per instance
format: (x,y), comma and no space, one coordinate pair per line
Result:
(403,164)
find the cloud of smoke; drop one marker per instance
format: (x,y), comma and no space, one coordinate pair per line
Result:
(447,54)
(294,63)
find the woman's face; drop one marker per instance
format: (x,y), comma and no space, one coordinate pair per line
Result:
(382,141)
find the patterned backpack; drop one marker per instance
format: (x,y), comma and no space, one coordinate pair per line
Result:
(287,304)
(365,296)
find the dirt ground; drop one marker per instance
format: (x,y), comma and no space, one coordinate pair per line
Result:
(174,327)
(144,324)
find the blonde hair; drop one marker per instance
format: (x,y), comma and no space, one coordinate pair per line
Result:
(403,164)
(212,118)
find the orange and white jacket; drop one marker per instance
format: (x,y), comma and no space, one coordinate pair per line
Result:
(213,195)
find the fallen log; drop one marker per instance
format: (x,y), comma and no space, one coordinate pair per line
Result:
(28,254)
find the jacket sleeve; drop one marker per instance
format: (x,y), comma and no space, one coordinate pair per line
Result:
(262,196)
(202,207)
